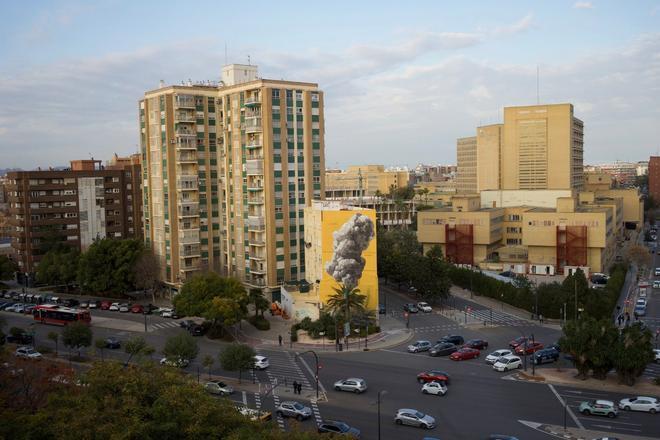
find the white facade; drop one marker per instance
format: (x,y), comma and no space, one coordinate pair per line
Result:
(91,210)
(513,198)
(233,74)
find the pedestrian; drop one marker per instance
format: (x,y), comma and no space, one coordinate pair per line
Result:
(295,387)
(541,318)
(300,388)
(279,338)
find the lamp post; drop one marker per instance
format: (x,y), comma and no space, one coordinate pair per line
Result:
(380,393)
(316,377)
(322,334)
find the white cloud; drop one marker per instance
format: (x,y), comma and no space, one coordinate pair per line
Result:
(480,92)
(524,24)
(583,5)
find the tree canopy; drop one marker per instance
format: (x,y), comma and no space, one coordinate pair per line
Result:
(7,268)
(59,266)
(237,357)
(181,346)
(108,266)
(76,336)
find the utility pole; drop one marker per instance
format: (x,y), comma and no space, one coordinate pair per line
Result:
(316,377)
(576,301)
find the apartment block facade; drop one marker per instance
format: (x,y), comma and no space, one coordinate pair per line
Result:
(654,178)
(466,165)
(228,171)
(76,206)
(363,180)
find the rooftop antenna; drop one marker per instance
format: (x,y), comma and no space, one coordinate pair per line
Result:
(538,100)
(360,186)
(248,60)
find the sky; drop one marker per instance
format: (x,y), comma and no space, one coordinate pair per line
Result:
(402,80)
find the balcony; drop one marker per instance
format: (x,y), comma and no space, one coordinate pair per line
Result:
(255,185)
(253,144)
(189,236)
(253,101)
(184,101)
(253,124)
(184,117)
(256,270)
(257,242)
(186,143)
(258,257)
(185,133)
(186,156)
(255,201)
(188,209)
(187,184)
(189,250)
(254,167)
(256,223)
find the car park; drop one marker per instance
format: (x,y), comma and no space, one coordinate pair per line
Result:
(419,346)
(479,344)
(218,387)
(339,428)
(180,362)
(506,363)
(599,408)
(454,339)
(261,362)
(112,343)
(442,349)
(124,308)
(412,417)
(137,308)
(410,308)
(640,403)
(546,355)
(529,348)
(352,384)
(290,408)
(494,356)
(424,307)
(436,388)
(433,375)
(464,354)
(28,353)
(114,307)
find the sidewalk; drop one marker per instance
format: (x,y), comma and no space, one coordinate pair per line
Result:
(579,434)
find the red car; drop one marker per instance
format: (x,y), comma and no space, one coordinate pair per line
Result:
(433,375)
(520,340)
(464,353)
(479,344)
(105,305)
(137,308)
(531,348)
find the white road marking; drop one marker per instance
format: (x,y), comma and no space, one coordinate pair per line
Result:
(568,409)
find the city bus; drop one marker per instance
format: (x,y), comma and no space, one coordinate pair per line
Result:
(58,315)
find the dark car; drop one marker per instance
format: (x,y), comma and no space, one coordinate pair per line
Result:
(442,349)
(454,339)
(112,342)
(196,330)
(410,308)
(546,355)
(21,338)
(149,308)
(339,428)
(555,346)
(70,302)
(381,309)
(479,344)
(186,323)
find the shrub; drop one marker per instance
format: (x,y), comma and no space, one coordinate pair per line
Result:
(294,333)
(259,322)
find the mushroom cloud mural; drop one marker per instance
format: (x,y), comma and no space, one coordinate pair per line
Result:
(349,242)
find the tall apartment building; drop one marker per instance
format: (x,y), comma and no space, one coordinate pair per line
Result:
(466,161)
(654,178)
(228,170)
(77,205)
(363,180)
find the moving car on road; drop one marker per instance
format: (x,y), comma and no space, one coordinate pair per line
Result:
(290,408)
(28,353)
(261,362)
(412,417)
(339,428)
(433,375)
(530,348)
(494,356)
(218,387)
(657,271)
(464,354)
(506,363)
(419,346)
(112,342)
(454,339)
(437,388)
(479,344)
(410,308)
(640,403)
(352,384)
(599,408)
(442,349)
(424,307)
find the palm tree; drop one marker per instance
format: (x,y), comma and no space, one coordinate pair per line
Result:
(346,300)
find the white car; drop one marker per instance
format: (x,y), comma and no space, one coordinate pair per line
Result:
(180,363)
(656,284)
(114,307)
(11,308)
(640,403)
(494,356)
(640,303)
(642,293)
(19,308)
(124,308)
(261,362)
(436,388)
(657,271)
(656,352)
(506,363)
(166,313)
(418,346)
(28,353)
(424,307)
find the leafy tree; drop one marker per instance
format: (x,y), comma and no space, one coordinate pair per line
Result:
(108,266)
(632,353)
(208,363)
(7,268)
(639,255)
(257,298)
(99,344)
(55,337)
(589,342)
(431,279)
(59,266)
(397,255)
(76,336)
(237,357)
(346,300)
(147,273)
(181,346)
(137,347)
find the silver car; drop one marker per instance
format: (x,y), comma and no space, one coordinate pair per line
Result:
(418,346)
(412,417)
(291,408)
(218,387)
(352,384)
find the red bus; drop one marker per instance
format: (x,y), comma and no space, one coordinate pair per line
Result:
(58,315)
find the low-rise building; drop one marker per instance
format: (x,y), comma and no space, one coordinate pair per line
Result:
(363,180)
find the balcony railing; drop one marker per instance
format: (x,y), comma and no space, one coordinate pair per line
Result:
(186,156)
(256,223)
(184,117)
(189,236)
(188,209)
(186,143)
(253,144)
(256,200)
(254,167)
(184,101)
(253,100)
(185,133)
(189,184)
(189,250)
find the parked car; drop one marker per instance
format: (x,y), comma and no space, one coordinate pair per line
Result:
(290,408)
(412,417)
(419,346)
(410,308)
(454,339)
(424,307)
(657,271)
(339,428)
(29,309)
(166,312)
(70,302)
(84,304)
(28,353)
(464,354)
(599,408)
(352,384)
(640,310)
(186,323)
(180,363)
(479,344)
(196,330)
(530,348)
(437,388)
(261,362)
(112,342)
(6,305)
(546,355)
(114,307)
(656,352)
(124,308)
(18,308)
(137,308)
(656,284)
(494,356)
(94,304)
(433,375)
(506,363)
(520,340)
(218,387)
(640,403)
(442,349)
(381,309)
(149,308)
(21,338)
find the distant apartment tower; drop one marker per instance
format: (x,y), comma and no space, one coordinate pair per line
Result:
(76,206)
(466,161)
(228,170)
(654,177)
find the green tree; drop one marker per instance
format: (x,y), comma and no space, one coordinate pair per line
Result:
(207,363)
(589,341)
(346,300)
(59,266)
(99,344)
(431,278)
(137,347)
(76,336)
(632,352)
(109,266)
(237,357)
(147,273)
(7,268)
(181,346)
(55,337)
(397,253)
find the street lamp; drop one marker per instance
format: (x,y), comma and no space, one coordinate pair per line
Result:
(380,393)
(322,334)
(316,377)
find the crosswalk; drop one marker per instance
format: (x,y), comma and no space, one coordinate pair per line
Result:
(163,325)
(652,371)
(498,318)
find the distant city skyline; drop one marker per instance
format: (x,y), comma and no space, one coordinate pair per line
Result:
(401,83)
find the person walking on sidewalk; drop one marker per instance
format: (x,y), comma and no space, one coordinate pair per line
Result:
(279,338)
(295,387)
(541,318)
(299,388)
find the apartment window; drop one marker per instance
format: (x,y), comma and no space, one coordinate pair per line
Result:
(276,94)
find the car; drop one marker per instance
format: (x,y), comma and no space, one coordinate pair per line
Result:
(290,408)
(506,363)
(29,309)
(114,307)
(640,403)
(520,340)
(10,307)
(180,363)
(437,388)
(150,308)
(641,302)
(642,293)
(546,355)
(508,274)
(18,308)
(381,309)
(70,302)
(412,417)
(186,323)
(656,284)
(166,312)
(501,437)
(352,384)
(28,353)
(454,339)
(124,308)
(640,310)
(84,305)
(339,428)
(137,308)
(112,343)
(479,344)
(196,330)
(94,304)
(261,362)
(218,387)
(410,308)
(5,305)
(656,352)
(657,271)
(433,375)
(424,307)
(599,408)
(419,346)
(55,299)
(442,349)
(20,338)
(529,348)
(464,354)
(494,356)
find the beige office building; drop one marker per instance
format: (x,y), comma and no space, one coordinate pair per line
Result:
(466,161)
(363,180)
(228,170)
